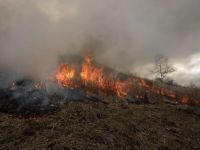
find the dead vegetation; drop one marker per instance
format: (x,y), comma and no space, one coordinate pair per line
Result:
(116,125)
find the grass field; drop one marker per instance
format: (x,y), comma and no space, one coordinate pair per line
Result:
(95,125)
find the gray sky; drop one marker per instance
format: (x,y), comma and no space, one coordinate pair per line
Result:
(126,34)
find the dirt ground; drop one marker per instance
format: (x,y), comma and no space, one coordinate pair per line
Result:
(95,125)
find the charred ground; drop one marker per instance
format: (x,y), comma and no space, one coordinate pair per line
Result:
(96,125)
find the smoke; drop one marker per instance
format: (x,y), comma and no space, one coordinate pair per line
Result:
(123,34)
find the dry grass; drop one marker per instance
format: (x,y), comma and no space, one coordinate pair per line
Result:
(118,125)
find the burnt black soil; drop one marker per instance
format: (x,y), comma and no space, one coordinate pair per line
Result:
(96,125)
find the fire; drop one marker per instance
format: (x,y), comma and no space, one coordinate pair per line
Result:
(120,89)
(93,78)
(91,74)
(184,100)
(65,75)
(143,83)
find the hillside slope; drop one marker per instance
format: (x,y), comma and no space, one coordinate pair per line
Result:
(116,125)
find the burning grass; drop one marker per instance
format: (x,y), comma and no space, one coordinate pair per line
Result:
(108,83)
(90,74)
(90,82)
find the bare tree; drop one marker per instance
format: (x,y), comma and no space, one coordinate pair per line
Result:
(162,67)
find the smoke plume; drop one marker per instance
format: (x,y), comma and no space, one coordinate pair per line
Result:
(122,34)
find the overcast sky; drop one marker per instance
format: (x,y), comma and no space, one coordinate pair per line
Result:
(126,34)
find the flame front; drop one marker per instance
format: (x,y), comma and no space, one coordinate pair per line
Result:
(120,89)
(90,74)
(65,75)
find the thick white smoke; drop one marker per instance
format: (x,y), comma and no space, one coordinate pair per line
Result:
(124,34)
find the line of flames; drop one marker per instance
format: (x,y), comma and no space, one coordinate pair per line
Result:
(91,74)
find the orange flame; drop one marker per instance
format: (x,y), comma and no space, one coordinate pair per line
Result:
(94,75)
(120,89)
(184,100)
(143,83)
(90,73)
(65,75)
